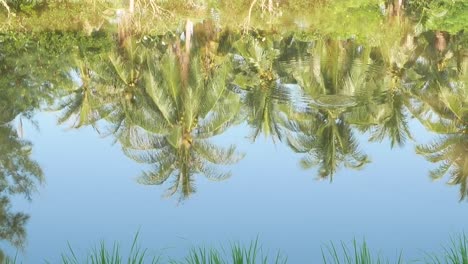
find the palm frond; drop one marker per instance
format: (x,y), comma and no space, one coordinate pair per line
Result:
(217,155)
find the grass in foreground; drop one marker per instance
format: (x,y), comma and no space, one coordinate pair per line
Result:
(102,255)
(237,255)
(456,253)
(357,253)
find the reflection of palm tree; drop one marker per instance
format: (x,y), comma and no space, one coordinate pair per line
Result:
(82,102)
(327,141)
(107,89)
(442,97)
(179,112)
(183,161)
(328,81)
(382,95)
(122,78)
(442,107)
(162,106)
(266,98)
(392,121)
(452,151)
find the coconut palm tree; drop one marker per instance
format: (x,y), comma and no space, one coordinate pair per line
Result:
(327,141)
(439,86)
(181,106)
(320,129)
(443,108)
(389,100)
(266,97)
(106,88)
(80,103)
(382,92)
(452,152)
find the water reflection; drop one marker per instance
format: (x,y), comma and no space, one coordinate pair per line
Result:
(264,96)
(185,101)
(163,99)
(19,173)
(162,106)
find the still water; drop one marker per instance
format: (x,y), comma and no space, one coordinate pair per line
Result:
(207,135)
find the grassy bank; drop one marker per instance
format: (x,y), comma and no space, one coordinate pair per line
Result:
(334,17)
(356,252)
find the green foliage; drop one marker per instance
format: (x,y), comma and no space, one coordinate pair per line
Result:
(450,152)
(238,254)
(358,254)
(456,253)
(104,255)
(163,97)
(445,15)
(343,19)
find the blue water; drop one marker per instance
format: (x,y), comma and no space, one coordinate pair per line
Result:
(91,195)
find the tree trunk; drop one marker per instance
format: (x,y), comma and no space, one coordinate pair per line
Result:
(440,41)
(131,7)
(395,7)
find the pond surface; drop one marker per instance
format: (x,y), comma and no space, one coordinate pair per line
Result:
(204,135)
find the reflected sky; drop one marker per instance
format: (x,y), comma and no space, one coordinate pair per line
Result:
(91,194)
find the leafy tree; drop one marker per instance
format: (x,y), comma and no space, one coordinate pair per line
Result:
(266,97)
(183,115)
(320,130)
(451,151)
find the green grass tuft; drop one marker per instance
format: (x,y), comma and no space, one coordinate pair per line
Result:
(237,254)
(104,255)
(358,254)
(457,253)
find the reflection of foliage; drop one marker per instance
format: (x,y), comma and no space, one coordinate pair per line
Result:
(384,94)
(441,105)
(452,152)
(343,19)
(266,98)
(392,124)
(447,15)
(33,71)
(328,142)
(18,173)
(161,104)
(81,99)
(328,79)
(12,224)
(34,67)
(179,115)
(438,83)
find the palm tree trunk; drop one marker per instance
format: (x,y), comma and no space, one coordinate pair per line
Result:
(400,6)
(395,7)
(3,2)
(440,41)
(131,7)
(185,59)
